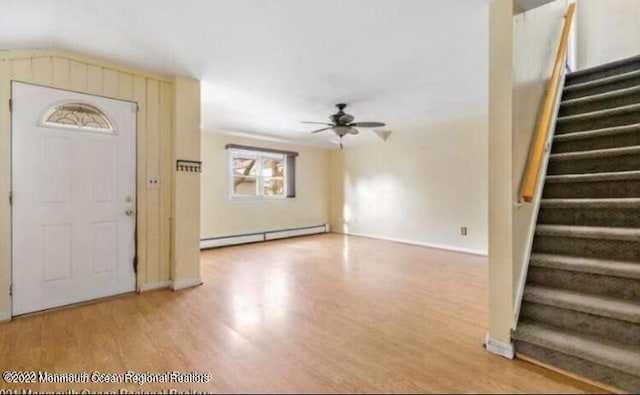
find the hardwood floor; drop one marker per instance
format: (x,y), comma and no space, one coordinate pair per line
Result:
(324,313)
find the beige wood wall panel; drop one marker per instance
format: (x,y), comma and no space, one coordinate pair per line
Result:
(140,97)
(22,70)
(78,76)
(110,83)
(61,73)
(186,189)
(63,70)
(42,71)
(125,86)
(153,170)
(94,80)
(166,170)
(89,60)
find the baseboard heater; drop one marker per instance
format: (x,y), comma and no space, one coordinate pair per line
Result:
(214,242)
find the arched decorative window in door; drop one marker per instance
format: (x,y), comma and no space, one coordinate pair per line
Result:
(78,116)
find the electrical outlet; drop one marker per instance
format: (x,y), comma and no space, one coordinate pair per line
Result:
(153,182)
(463,231)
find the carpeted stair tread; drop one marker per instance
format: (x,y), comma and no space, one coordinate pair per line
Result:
(632,108)
(605,137)
(586,265)
(614,378)
(591,203)
(602,81)
(603,84)
(619,356)
(601,96)
(594,177)
(589,232)
(583,323)
(604,66)
(604,70)
(617,212)
(616,130)
(597,153)
(604,306)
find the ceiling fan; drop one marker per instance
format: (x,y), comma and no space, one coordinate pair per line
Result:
(342,123)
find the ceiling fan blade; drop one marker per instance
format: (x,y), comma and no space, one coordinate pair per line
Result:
(317,123)
(353,131)
(322,130)
(368,124)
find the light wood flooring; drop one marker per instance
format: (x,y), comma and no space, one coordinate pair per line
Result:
(324,313)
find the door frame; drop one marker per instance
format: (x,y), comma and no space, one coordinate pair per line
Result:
(136,262)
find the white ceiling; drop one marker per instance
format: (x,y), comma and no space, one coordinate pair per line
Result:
(265,65)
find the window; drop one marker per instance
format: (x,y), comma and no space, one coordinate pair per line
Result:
(78,116)
(261,174)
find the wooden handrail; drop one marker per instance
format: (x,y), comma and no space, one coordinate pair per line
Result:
(532,172)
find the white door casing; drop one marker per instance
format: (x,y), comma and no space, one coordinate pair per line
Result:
(74,200)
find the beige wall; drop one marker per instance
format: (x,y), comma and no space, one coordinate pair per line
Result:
(155,152)
(607,31)
(224,217)
(522,51)
(419,186)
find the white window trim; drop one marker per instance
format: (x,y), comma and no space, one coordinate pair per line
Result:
(258,155)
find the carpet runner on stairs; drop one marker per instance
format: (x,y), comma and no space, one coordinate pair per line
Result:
(580,310)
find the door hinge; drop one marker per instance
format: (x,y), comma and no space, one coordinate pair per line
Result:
(10,198)
(10,105)
(11,290)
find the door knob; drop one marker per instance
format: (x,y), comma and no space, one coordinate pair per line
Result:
(129,212)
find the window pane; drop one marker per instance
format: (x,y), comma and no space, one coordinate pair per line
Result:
(272,167)
(244,166)
(273,187)
(244,186)
(78,115)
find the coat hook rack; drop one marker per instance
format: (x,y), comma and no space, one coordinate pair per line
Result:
(191,166)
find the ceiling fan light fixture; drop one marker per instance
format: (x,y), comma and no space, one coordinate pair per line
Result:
(342,130)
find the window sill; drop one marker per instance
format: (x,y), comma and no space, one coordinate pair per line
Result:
(260,199)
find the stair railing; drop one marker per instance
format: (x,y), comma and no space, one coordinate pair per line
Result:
(539,146)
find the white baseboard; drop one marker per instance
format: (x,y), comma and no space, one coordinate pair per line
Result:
(262,236)
(186,283)
(231,240)
(296,232)
(5,316)
(419,243)
(499,348)
(152,286)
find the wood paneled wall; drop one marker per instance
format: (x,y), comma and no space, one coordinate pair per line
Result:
(154,95)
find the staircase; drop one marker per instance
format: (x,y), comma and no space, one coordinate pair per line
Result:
(581,306)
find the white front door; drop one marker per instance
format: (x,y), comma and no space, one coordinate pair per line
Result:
(74,197)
